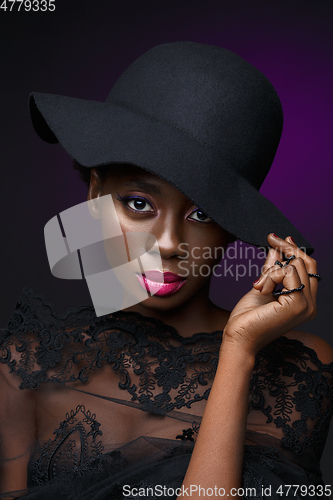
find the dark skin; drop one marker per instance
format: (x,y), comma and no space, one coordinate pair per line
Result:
(256,320)
(172,219)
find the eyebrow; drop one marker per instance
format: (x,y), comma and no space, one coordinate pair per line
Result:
(145,185)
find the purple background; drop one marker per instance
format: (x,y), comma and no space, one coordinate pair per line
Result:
(80,50)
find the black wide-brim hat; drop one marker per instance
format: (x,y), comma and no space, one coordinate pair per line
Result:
(196,115)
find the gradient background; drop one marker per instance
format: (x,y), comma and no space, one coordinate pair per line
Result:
(80,49)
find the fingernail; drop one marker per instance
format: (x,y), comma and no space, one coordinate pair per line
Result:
(275,236)
(292,239)
(257,281)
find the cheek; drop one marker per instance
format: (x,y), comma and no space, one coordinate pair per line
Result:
(219,243)
(209,249)
(206,252)
(113,233)
(201,261)
(129,224)
(125,240)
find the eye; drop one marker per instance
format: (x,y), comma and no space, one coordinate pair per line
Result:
(135,203)
(202,217)
(139,204)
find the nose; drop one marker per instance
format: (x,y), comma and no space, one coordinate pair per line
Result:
(170,234)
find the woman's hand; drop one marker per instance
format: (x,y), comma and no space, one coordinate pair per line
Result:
(260,317)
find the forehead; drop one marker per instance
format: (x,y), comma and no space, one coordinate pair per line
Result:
(133,176)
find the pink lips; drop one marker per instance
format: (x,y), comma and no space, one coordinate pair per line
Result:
(160,284)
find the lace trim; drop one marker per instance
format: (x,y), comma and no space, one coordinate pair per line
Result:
(287,375)
(283,370)
(32,307)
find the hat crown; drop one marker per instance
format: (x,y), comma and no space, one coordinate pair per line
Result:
(211,94)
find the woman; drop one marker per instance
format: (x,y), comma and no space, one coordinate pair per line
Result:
(113,403)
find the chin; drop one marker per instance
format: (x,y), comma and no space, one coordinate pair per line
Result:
(168,303)
(163,303)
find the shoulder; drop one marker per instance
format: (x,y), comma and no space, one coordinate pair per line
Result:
(322,348)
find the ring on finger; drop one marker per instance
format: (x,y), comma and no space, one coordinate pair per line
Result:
(313,275)
(287,292)
(289,259)
(278,263)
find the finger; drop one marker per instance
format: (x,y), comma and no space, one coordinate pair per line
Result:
(287,275)
(290,309)
(288,247)
(299,264)
(272,256)
(290,279)
(259,282)
(310,264)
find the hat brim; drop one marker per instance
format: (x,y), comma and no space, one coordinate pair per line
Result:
(98,133)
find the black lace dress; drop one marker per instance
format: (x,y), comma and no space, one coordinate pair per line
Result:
(109,408)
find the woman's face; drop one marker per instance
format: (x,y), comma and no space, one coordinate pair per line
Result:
(190,243)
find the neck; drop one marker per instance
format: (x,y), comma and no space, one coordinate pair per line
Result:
(198,314)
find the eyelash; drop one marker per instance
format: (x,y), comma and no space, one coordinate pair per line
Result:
(126,199)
